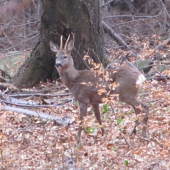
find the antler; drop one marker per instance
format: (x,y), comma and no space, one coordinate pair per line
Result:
(66,44)
(61,42)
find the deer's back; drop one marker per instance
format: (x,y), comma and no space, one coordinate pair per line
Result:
(89,85)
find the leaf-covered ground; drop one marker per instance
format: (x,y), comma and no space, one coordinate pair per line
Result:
(33,143)
(39,144)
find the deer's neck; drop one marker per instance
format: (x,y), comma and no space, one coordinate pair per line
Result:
(68,76)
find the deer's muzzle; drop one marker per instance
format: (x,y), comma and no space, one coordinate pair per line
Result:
(58,65)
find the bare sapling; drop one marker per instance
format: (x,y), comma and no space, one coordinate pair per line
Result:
(93,87)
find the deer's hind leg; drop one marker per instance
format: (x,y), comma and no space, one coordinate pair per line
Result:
(97,114)
(138,108)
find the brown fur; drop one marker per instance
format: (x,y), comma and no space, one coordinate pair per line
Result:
(91,87)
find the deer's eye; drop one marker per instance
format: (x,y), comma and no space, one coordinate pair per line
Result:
(65,57)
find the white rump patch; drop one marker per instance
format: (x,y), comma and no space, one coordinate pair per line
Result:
(140,79)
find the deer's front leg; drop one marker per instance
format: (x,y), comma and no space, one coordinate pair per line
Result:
(83,111)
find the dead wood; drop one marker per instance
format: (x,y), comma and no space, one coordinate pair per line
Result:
(59,120)
(114,35)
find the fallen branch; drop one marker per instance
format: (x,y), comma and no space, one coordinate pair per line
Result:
(40,95)
(114,35)
(4,80)
(165,42)
(10,100)
(8,85)
(24,103)
(60,121)
(32,104)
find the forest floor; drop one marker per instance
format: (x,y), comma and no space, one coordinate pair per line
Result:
(32,142)
(28,142)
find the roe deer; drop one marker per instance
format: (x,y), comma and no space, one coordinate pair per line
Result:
(90,87)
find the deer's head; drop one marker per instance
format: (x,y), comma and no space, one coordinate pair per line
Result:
(63,55)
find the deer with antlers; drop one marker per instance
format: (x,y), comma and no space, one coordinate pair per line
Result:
(92,87)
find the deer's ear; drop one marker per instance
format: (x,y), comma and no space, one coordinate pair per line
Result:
(70,46)
(54,47)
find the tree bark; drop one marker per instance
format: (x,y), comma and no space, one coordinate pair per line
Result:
(62,17)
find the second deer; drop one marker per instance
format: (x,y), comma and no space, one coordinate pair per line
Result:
(91,87)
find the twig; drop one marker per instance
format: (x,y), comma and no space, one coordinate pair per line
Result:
(114,35)
(19,25)
(106,3)
(21,42)
(131,16)
(143,19)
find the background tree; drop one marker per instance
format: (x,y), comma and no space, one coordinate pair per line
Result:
(62,18)
(132,5)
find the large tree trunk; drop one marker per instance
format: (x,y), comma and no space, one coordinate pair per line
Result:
(62,17)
